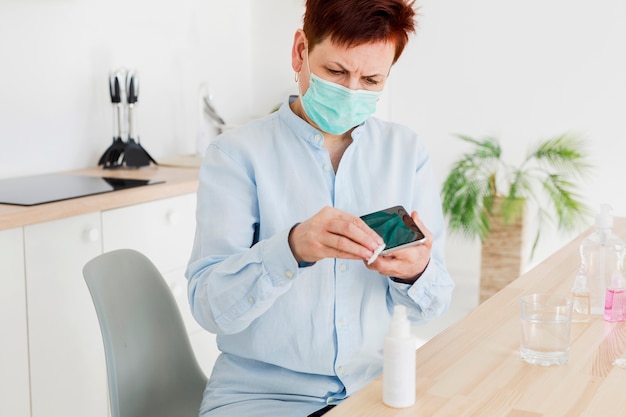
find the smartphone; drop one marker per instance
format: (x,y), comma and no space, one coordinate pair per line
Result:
(396,227)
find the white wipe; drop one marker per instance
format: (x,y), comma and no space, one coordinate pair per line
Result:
(376,253)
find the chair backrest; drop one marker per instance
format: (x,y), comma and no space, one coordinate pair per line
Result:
(152,370)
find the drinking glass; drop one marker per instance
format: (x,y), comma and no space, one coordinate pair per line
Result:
(545,328)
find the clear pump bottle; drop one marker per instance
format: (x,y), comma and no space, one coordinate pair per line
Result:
(399,362)
(602,254)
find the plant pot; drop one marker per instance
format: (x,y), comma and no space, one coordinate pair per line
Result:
(501,253)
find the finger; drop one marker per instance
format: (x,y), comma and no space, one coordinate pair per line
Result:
(355,229)
(340,246)
(418,222)
(397,264)
(371,233)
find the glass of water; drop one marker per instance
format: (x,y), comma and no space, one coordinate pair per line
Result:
(545,328)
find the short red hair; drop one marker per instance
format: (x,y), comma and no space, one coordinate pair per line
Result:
(355,22)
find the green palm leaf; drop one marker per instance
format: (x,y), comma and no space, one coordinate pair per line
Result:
(546,177)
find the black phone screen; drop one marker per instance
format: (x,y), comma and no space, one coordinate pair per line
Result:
(396,227)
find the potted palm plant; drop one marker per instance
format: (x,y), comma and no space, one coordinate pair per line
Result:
(485,197)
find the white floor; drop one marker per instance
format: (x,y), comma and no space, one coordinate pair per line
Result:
(464,300)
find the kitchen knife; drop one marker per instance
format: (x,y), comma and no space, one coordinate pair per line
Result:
(111,157)
(132,96)
(134,154)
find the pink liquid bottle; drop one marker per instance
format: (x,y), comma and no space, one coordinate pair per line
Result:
(615,300)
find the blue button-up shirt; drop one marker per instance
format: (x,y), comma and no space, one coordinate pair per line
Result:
(310,335)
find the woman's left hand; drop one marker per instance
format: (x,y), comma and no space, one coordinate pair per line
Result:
(406,263)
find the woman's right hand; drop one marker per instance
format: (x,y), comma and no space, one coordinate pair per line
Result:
(332,233)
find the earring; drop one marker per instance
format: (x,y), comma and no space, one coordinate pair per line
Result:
(296,77)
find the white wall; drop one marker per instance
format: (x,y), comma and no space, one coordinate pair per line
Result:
(55,111)
(519,70)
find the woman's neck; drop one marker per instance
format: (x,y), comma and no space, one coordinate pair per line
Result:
(336,145)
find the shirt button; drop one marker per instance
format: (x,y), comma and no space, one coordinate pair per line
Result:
(289,274)
(251,299)
(330,400)
(318,138)
(343,267)
(327,168)
(342,322)
(340,370)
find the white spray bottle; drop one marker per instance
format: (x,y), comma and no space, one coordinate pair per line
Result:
(399,362)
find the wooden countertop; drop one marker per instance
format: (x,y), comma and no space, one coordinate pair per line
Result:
(474,368)
(178,181)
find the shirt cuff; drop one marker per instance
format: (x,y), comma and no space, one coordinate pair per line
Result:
(302,264)
(410,281)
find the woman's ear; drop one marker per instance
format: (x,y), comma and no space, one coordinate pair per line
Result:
(298,50)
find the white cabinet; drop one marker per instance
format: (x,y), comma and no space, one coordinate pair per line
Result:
(68,372)
(14,386)
(163,230)
(52,361)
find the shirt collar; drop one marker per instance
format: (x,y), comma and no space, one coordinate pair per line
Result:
(303,129)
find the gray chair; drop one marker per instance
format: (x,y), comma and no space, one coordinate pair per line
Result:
(151,367)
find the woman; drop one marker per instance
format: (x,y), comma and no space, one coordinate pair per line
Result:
(279,269)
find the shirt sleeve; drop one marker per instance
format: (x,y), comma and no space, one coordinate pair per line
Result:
(231,283)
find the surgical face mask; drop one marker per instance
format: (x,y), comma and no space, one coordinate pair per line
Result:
(334,108)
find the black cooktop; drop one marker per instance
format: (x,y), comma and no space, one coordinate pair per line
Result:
(47,188)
